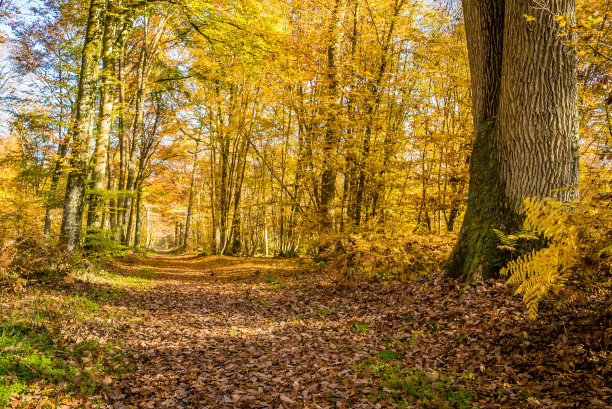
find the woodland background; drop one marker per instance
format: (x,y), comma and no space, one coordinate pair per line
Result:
(216,128)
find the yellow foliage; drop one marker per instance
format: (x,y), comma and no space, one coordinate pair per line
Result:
(574,236)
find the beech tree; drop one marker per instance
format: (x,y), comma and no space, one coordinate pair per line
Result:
(81,134)
(524,92)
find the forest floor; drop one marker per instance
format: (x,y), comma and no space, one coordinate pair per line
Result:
(221,332)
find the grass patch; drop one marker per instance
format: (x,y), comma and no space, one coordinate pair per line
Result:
(297,318)
(270,279)
(147,272)
(31,359)
(37,359)
(410,388)
(358,326)
(408,317)
(119,282)
(323,312)
(127,281)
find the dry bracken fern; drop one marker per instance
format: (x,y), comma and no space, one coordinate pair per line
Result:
(540,271)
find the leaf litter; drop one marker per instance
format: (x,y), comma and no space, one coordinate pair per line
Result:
(218,332)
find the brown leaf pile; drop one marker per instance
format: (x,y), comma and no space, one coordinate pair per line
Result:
(252,333)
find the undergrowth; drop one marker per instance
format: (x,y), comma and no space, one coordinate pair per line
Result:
(56,336)
(573,262)
(382,257)
(415,388)
(38,358)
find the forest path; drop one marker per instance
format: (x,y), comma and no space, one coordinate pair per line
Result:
(221,332)
(238,332)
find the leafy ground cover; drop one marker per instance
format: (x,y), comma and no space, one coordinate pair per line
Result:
(226,332)
(60,345)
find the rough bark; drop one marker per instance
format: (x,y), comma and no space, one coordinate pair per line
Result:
(524,107)
(538,117)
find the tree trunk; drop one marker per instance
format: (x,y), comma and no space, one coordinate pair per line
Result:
(61,154)
(75,187)
(138,223)
(111,187)
(132,160)
(62,151)
(107,97)
(328,177)
(524,107)
(123,149)
(191,191)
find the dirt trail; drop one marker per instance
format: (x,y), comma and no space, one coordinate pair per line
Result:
(220,332)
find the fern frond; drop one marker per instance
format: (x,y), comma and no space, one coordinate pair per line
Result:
(508,241)
(540,271)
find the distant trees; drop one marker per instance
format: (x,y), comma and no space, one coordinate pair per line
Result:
(299,132)
(524,94)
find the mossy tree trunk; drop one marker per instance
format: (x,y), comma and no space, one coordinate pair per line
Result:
(524,107)
(72,217)
(107,97)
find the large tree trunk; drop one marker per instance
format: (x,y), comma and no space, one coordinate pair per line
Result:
(524,106)
(75,187)
(538,113)
(107,97)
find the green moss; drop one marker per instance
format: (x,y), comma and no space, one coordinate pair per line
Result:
(476,255)
(414,388)
(34,358)
(147,272)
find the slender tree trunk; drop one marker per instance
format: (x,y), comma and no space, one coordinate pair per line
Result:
(191,192)
(138,223)
(148,50)
(237,220)
(77,178)
(524,107)
(132,160)
(62,151)
(111,187)
(122,135)
(213,212)
(61,154)
(372,108)
(328,177)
